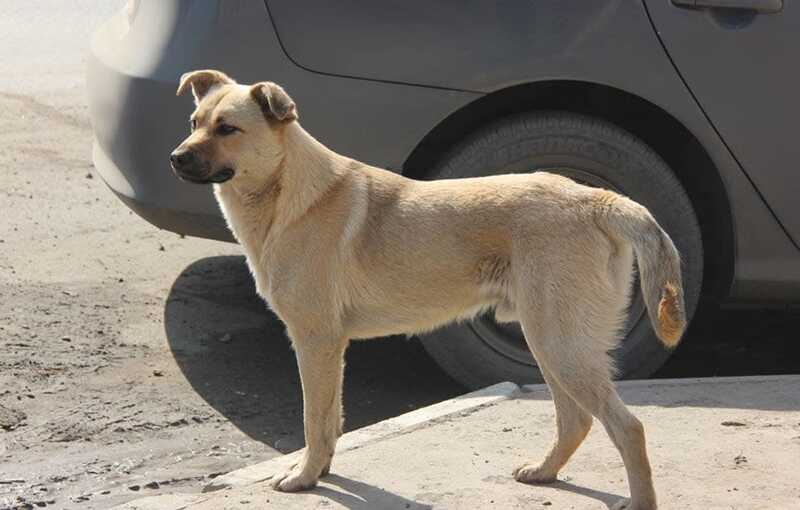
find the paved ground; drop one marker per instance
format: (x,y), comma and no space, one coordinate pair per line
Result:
(114,374)
(713,444)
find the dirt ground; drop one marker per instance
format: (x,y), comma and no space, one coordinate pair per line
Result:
(134,360)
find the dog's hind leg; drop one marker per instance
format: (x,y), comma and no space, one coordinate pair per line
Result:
(570,325)
(321,364)
(572,425)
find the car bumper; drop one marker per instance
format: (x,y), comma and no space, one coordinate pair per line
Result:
(160,214)
(138,121)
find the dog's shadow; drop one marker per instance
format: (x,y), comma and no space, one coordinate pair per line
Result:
(606,498)
(236,356)
(357,495)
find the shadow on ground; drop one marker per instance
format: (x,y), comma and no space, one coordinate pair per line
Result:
(236,355)
(356,495)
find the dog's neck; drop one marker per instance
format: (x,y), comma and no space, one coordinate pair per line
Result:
(309,170)
(304,170)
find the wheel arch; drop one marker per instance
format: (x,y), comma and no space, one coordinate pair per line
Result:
(676,145)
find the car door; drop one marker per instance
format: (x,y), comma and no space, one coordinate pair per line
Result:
(741,64)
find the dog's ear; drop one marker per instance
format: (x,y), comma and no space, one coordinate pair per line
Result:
(275,103)
(201,82)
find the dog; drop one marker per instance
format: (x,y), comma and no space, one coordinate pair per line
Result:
(341,250)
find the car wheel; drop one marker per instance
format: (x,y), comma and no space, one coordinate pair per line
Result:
(596,153)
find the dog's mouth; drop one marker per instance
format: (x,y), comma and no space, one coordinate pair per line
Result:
(224,175)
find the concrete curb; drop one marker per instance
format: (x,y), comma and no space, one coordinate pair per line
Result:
(638,383)
(385,429)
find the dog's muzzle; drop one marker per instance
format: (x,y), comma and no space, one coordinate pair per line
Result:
(187,167)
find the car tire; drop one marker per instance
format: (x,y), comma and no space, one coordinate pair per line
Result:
(480,352)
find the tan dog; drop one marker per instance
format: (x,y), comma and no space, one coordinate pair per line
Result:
(341,250)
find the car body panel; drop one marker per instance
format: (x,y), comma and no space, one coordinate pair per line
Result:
(137,119)
(751,95)
(461,44)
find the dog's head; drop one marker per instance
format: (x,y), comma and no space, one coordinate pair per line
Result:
(236,129)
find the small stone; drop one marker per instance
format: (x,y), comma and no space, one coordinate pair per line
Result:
(66,339)
(134,488)
(547,503)
(733,424)
(161,247)
(225,338)
(507,429)
(158,373)
(89,175)
(152,485)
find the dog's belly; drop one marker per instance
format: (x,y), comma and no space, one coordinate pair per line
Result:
(401,318)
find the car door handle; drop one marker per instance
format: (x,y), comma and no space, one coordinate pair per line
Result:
(760,6)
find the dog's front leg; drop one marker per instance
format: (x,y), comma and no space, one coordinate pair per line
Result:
(321,363)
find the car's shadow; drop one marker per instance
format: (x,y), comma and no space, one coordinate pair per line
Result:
(236,355)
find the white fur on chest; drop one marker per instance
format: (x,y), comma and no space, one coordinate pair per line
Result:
(246,228)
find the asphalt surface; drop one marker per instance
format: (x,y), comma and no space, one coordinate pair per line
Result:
(134,360)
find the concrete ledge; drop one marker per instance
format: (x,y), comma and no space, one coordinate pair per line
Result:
(638,383)
(723,443)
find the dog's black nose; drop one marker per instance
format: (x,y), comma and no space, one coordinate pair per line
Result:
(182,158)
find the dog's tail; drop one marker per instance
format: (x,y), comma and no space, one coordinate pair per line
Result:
(659,264)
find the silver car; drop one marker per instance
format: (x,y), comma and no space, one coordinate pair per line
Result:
(687,106)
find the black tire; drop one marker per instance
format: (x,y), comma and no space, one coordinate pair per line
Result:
(480,352)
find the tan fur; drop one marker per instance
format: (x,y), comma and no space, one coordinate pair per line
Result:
(341,250)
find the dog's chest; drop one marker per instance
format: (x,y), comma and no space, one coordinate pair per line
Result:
(250,231)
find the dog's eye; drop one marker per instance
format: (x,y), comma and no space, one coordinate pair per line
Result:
(226,129)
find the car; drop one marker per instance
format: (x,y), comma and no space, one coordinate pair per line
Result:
(685,106)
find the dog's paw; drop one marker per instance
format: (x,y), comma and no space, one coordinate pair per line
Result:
(293,480)
(530,473)
(626,504)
